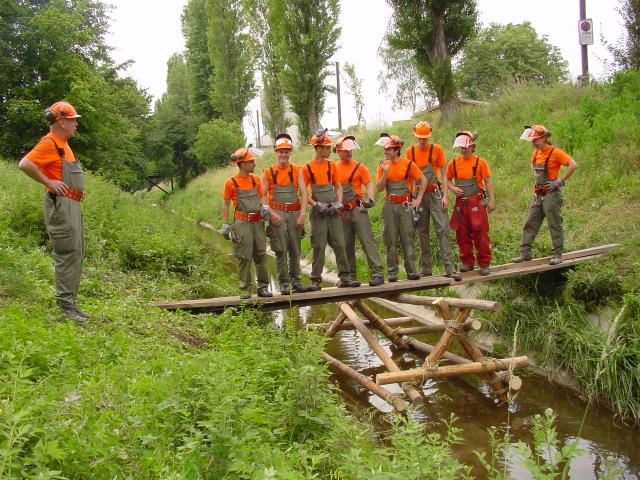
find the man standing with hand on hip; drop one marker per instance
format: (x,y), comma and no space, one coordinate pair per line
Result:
(52,163)
(430,158)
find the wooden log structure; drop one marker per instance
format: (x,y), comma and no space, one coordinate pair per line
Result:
(394,400)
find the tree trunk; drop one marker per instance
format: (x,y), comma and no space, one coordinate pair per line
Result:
(440,71)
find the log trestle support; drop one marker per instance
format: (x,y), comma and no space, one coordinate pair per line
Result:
(356,315)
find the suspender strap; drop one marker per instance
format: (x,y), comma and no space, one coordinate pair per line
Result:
(406,174)
(353,173)
(546,162)
(274,177)
(313,177)
(475,168)
(329,171)
(60,150)
(235,184)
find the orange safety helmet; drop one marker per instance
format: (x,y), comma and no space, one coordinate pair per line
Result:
(283,142)
(347,142)
(242,155)
(536,131)
(422,129)
(321,138)
(60,110)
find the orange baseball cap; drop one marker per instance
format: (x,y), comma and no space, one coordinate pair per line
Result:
(242,155)
(60,110)
(321,138)
(422,129)
(283,142)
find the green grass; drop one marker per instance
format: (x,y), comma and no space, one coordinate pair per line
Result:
(600,127)
(144,393)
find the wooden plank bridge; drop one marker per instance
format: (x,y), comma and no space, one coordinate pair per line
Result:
(386,290)
(437,361)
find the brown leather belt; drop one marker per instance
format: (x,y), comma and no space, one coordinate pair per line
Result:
(350,205)
(285,207)
(432,187)
(248,217)
(72,193)
(397,198)
(540,190)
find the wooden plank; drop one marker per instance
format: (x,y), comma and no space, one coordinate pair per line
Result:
(334,294)
(485,305)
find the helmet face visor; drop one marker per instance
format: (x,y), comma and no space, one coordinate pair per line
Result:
(463,141)
(526,134)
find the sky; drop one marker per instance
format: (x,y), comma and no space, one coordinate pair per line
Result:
(150,43)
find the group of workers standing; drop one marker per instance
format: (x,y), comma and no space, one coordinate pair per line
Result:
(339,194)
(416,188)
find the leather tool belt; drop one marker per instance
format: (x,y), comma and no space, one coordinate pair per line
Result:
(72,193)
(398,198)
(248,217)
(350,205)
(285,207)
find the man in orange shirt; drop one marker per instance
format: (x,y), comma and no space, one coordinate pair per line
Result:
(430,158)
(355,219)
(247,232)
(326,201)
(397,175)
(469,179)
(52,163)
(547,194)
(288,200)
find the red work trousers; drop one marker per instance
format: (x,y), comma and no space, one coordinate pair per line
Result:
(471,224)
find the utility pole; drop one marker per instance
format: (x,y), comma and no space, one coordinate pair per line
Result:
(338,94)
(583,46)
(258,127)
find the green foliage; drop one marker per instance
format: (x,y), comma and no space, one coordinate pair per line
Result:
(434,31)
(231,54)
(216,141)
(354,87)
(400,79)
(306,35)
(626,51)
(502,55)
(56,50)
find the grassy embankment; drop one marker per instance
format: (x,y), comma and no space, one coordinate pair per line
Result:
(143,393)
(600,127)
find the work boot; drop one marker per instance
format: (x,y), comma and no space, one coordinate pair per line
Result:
(375,281)
(523,257)
(285,290)
(314,287)
(466,268)
(426,273)
(81,313)
(245,294)
(484,271)
(455,275)
(264,292)
(413,276)
(299,288)
(73,314)
(348,284)
(393,278)
(555,260)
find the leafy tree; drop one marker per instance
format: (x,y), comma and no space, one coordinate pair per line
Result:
(435,30)
(270,64)
(54,50)
(506,54)
(626,52)
(306,34)
(173,127)
(231,54)
(216,141)
(400,80)
(199,67)
(354,87)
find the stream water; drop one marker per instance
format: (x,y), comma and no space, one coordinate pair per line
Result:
(603,439)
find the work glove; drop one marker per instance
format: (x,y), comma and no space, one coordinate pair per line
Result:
(226,230)
(369,203)
(265,211)
(322,207)
(554,184)
(335,207)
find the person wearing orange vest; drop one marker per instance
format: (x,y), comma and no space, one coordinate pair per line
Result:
(321,176)
(288,200)
(396,175)
(547,192)
(247,233)
(355,219)
(469,179)
(52,163)
(430,158)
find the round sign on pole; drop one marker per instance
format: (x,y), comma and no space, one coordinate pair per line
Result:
(585,31)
